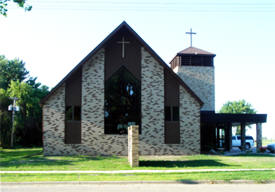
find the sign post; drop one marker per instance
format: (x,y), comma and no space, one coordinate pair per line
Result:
(133,145)
(13,108)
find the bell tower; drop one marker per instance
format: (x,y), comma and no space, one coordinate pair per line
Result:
(196,68)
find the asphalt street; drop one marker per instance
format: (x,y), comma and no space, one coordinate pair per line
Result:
(138,187)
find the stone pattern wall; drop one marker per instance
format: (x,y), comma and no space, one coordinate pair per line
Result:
(189,122)
(152,99)
(95,142)
(133,145)
(201,80)
(53,123)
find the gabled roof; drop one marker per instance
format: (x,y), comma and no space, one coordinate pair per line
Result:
(195,51)
(142,42)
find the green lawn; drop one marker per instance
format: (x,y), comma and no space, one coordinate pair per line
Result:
(210,176)
(32,159)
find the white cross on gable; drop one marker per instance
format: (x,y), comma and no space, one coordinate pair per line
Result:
(123,42)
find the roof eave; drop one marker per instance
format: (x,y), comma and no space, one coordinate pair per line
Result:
(146,46)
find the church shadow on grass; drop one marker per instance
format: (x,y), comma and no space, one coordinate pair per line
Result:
(187,182)
(253,155)
(182,164)
(35,158)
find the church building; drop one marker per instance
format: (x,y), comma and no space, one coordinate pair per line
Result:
(123,82)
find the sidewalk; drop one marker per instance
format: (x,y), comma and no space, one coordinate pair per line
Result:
(138,187)
(140,171)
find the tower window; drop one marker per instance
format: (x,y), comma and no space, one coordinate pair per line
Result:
(196,60)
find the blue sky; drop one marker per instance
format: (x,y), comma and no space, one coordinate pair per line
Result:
(56,35)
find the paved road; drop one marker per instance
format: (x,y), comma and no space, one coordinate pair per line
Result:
(139,188)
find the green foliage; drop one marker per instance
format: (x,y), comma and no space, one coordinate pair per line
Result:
(11,70)
(28,120)
(240,106)
(237,107)
(20,3)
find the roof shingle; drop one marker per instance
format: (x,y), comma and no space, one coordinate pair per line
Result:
(195,51)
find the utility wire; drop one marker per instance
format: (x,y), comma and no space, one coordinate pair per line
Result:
(156,6)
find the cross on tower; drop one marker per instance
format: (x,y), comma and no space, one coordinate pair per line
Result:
(123,42)
(191,33)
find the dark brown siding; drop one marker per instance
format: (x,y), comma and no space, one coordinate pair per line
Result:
(73,98)
(73,89)
(171,99)
(171,90)
(113,55)
(73,132)
(172,132)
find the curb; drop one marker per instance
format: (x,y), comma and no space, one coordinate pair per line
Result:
(190,182)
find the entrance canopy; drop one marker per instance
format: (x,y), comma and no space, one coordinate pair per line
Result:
(216,129)
(235,119)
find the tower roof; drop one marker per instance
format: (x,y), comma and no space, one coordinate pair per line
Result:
(195,51)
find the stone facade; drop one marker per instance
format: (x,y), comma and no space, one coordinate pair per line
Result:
(152,99)
(189,123)
(95,142)
(201,80)
(93,139)
(54,123)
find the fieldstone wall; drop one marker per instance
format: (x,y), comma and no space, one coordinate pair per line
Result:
(189,123)
(95,142)
(152,99)
(53,123)
(152,105)
(201,80)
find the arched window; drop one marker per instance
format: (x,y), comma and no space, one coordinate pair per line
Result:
(122,106)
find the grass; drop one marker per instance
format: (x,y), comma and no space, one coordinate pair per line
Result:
(32,159)
(211,176)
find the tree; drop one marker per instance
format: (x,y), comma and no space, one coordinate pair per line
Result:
(240,106)
(11,70)
(20,3)
(28,121)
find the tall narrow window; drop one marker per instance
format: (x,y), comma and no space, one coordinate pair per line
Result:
(167,113)
(73,113)
(171,113)
(175,113)
(171,102)
(73,109)
(122,102)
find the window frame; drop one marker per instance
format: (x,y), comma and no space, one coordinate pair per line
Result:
(73,119)
(107,83)
(172,116)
